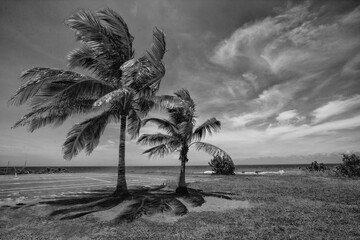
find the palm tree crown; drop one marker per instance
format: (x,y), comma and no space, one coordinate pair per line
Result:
(180,129)
(119,89)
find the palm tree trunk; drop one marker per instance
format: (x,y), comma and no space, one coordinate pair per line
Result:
(121,187)
(182,189)
(182,174)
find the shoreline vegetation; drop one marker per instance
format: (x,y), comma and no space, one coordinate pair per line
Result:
(33,170)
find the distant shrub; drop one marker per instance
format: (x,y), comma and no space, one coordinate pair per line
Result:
(222,165)
(350,166)
(316,167)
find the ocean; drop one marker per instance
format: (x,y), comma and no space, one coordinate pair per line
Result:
(168,170)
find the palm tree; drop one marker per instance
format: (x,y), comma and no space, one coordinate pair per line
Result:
(120,88)
(181,132)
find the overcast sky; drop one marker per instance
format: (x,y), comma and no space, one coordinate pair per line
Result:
(281,76)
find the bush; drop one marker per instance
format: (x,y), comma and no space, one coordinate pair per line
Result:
(222,165)
(350,166)
(316,167)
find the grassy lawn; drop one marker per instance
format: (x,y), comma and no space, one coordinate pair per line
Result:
(282,207)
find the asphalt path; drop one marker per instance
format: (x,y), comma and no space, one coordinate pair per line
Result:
(16,189)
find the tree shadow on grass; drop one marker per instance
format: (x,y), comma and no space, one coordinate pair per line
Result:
(142,201)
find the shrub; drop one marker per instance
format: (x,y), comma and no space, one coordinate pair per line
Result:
(316,167)
(350,166)
(222,165)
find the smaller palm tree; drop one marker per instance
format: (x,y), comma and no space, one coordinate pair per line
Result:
(181,132)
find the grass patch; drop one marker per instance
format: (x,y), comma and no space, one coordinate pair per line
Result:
(282,207)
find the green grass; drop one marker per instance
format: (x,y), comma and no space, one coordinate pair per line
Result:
(284,207)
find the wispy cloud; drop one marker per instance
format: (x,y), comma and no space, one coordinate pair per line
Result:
(327,128)
(287,115)
(297,39)
(285,55)
(271,102)
(335,108)
(249,41)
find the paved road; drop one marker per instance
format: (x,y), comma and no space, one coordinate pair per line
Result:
(27,187)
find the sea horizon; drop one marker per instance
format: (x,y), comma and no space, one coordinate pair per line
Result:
(173,169)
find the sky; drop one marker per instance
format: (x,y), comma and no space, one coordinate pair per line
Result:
(281,76)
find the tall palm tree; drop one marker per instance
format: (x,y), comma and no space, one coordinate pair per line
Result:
(119,89)
(181,132)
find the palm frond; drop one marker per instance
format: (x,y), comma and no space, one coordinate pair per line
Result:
(134,124)
(83,88)
(119,30)
(160,150)
(37,119)
(55,113)
(155,139)
(181,107)
(174,144)
(164,124)
(106,34)
(37,78)
(146,73)
(186,129)
(158,47)
(211,149)
(209,126)
(55,91)
(85,57)
(166,101)
(56,120)
(143,106)
(44,83)
(112,96)
(184,95)
(87,26)
(181,115)
(87,134)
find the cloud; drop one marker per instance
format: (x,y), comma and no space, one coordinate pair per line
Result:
(352,67)
(271,101)
(301,56)
(324,129)
(252,80)
(248,42)
(290,131)
(298,39)
(242,43)
(109,145)
(352,17)
(267,104)
(287,115)
(335,108)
